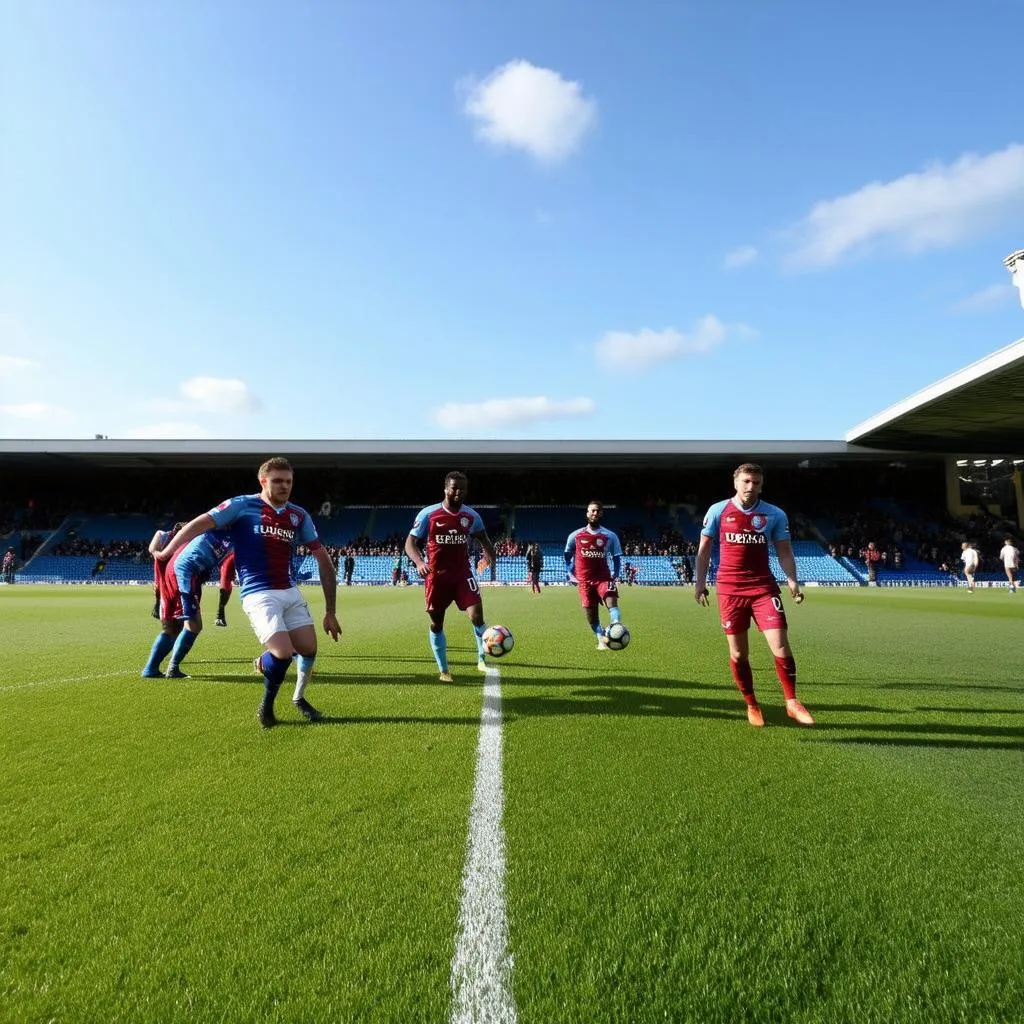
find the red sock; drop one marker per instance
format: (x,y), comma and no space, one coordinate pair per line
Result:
(785,669)
(744,678)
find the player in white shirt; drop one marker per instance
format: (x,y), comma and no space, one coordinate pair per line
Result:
(969,556)
(1010,557)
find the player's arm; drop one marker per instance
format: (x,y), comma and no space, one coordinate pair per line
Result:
(616,552)
(187,533)
(784,551)
(414,554)
(570,557)
(700,572)
(488,548)
(157,542)
(329,585)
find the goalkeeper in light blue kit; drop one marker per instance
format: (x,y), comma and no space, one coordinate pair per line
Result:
(587,551)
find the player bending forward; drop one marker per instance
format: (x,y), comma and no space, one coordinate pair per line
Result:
(743,526)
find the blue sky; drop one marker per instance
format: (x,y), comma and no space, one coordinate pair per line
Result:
(539,220)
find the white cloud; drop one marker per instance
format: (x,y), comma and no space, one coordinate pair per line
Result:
(985,298)
(10,365)
(217,395)
(930,209)
(621,350)
(741,257)
(167,432)
(220,395)
(530,108)
(506,412)
(34,411)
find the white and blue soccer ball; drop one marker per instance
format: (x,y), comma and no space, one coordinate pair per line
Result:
(498,641)
(617,636)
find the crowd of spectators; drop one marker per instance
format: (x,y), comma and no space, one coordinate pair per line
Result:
(105,549)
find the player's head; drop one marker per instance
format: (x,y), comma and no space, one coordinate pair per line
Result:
(748,479)
(595,510)
(275,477)
(176,527)
(456,486)
(966,544)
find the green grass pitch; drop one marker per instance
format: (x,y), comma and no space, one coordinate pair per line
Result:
(164,859)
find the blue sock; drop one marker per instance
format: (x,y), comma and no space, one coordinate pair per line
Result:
(439,645)
(161,645)
(598,631)
(479,631)
(274,670)
(186,638)
(614,614)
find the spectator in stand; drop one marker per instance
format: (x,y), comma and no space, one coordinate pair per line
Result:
(349,567)
(1009,555)
(871,556)
(534,565)
(8,565)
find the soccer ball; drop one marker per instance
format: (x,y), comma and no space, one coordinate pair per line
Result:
(498,641)
(617,636)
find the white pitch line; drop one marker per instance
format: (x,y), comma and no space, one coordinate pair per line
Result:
(61,682)
(482,967)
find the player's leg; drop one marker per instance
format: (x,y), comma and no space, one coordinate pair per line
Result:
(298,621)
(304,642)
(162,645)
(742,674)
(222,604)
(590,600)
(193,626)
(170,624)
(475,612)
(437,602)
(785,669)
(266,615)
(610,597)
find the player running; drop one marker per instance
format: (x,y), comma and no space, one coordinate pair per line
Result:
(1009,555)
(587,551)
(446,530)
(181,588)
(744,526)
(971,560)
(265,529)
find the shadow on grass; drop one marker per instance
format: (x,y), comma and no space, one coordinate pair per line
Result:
(1015,733)
(938,683)
(621,698)
(919,741)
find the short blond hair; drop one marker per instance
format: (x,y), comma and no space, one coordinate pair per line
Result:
(749,467)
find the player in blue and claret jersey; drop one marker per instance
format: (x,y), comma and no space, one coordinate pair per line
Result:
(744,527)
(587,551)
(447,529)
(265,529)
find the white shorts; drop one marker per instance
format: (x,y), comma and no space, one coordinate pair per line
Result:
(276,611)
